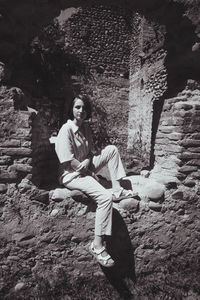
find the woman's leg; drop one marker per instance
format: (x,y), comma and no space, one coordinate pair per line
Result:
(110,156)
(103,198)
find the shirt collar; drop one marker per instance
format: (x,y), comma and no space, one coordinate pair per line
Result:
(74,127)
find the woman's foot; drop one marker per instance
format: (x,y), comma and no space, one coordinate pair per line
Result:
(101,255)
(123,194)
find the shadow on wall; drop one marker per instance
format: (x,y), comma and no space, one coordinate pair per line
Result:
(44,160)
(182,61)
(121,249)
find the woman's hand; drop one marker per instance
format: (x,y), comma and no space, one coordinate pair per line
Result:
(84,165)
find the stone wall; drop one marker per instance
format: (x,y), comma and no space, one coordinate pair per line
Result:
(159,67)
(51,102)
(109,98)
(177,140)
(15,138)
(147,83)
(99,36)
(26,153)
(44,160)
(44,241)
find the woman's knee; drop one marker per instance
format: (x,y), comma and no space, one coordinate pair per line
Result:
(105,198)
(112,149)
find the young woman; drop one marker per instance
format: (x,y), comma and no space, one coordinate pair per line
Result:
(78,166)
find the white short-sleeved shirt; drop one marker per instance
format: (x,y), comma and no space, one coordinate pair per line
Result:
(72,143)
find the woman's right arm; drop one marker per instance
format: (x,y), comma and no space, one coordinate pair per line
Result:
(63,146)
(64,150)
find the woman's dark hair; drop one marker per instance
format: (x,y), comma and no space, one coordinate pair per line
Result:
(87,105)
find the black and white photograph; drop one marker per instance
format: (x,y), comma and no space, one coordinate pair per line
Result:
(100,150)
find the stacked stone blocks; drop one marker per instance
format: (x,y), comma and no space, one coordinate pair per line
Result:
(15,139)
(147,83)
(177,145)
(99,37)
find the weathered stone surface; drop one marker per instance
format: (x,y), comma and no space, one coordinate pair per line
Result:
(22,133)
(190,143)
(194,149)
(183,113)
(26,136)
(182,105)
(40,196)
(193,162)
(165,147)
(4,160)
(162,141)
(129,204)
(189,155)
(54,212)
(181,176)
(16,151)
(24,185)
(26,144)
(197,106)
(154,190)
(146,187)
(177,195)
(11,143)
(173,121)
(3,188)
(176,99)
(188,169)
(154,205)
(195,136)
(60,194)
(195,175)
(164,178)
(175,136)
(25,168)
(190,128)
(6,176)
(189,183)
(4,72)
(19,286)
(169,129)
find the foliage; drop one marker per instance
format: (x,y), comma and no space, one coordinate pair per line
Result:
(47,52)
(50,57)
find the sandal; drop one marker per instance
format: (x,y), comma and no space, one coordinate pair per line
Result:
(123,194)
(105,261)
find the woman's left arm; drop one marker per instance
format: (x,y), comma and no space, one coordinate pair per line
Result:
(85,164)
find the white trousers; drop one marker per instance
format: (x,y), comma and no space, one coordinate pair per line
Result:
(91,187)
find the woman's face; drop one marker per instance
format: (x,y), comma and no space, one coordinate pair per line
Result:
(79,111)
